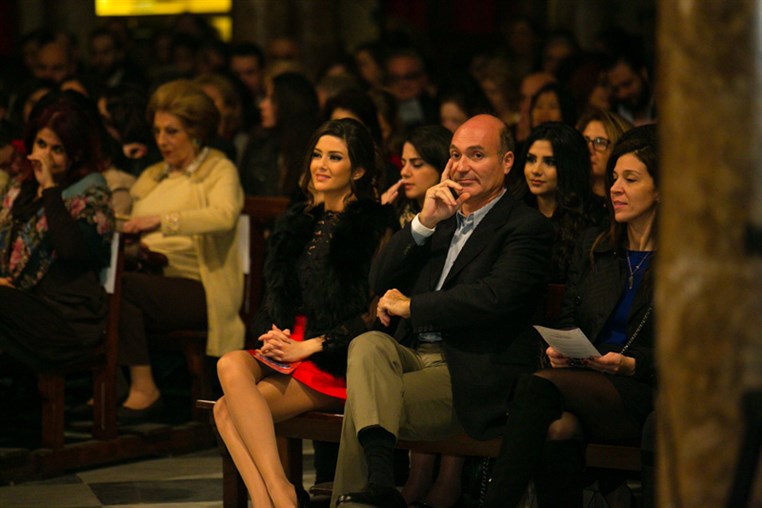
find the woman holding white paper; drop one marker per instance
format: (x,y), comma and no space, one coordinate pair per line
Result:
(610,297)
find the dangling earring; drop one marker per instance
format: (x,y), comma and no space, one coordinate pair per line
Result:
(196,143)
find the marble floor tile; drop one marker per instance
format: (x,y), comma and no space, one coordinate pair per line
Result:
(162,491)
(206,464)
(48,496)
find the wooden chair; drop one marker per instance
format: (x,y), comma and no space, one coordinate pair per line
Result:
(256,220)
(103,366)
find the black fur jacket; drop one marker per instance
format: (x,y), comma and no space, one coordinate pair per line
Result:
(335,307)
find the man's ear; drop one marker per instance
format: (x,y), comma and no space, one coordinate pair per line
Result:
(507,162)
(358,173)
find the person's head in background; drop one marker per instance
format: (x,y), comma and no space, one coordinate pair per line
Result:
(558,46)
(184,53)
(425,153)
(628,78)
(212,57)
(284,48)
(369,60)
(501,85)
(225,97)
(552,103)
(331,85)
(65,126)
(354,103)
(524,38)
(388,119)
(184,121)
(290,98)
(529,86)
(106,52)
(601,130)
(460,99)
(406,75)
(556,167)
(247,62)
(54,60)
(122,110)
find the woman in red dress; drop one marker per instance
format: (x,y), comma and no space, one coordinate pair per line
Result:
(317,300)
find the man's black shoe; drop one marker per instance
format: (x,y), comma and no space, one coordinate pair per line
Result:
(375,495)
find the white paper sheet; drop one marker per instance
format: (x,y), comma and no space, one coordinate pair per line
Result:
(570,343)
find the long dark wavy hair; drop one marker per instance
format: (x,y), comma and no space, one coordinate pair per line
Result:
(643,143)
(573,212)
(363,154)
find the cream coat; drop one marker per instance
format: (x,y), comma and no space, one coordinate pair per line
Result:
(213,224)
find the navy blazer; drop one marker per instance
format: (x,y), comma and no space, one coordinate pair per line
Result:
(484,307)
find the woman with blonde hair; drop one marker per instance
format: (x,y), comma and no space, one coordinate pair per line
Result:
(186,212)
(601,129)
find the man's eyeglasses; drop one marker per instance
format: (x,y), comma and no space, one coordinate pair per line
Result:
(599,144)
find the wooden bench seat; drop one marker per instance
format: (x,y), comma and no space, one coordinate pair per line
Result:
(321,426)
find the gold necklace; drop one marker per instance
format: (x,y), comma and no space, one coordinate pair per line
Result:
(631,278)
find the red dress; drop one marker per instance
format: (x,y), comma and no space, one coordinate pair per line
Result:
(307,372)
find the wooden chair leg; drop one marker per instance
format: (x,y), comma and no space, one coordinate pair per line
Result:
(195,358)
(234,494)
(104,406)
(51,388)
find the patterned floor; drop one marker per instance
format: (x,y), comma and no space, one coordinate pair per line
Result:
(187,481)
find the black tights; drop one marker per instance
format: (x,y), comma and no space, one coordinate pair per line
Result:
(592,398)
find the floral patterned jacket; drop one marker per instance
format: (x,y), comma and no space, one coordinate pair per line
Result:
(26,252)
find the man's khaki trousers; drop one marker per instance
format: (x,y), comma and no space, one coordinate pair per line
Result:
(405,391)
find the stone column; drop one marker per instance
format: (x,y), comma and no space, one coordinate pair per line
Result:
(709,292)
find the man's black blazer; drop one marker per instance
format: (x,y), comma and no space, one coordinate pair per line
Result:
(484,307)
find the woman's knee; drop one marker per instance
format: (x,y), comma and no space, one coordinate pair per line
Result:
(232,364)
(566,427)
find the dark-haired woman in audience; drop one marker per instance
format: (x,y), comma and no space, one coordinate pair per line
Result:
(459,100)
(272,161)
(603,398)
(369,60)
(601,129)
(186,210)
(424,155)
(556,166)
(56,224)
(317,300)
(552,103)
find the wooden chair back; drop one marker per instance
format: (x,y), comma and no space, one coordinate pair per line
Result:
(103,365)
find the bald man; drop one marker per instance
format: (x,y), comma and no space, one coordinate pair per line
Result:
(462,278)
